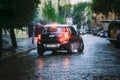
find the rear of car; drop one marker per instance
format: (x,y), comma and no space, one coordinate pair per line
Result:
(56,37)
(82,31)
(104,33)
(95,32)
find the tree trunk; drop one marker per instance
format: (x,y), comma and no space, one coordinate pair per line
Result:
(5,31)
(1,42)
(13,38)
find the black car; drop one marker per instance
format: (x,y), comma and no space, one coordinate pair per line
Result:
(59,37)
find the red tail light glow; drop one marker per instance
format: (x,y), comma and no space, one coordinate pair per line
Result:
(64,37)
(38,38)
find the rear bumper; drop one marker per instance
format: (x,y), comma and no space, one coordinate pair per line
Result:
(54,46)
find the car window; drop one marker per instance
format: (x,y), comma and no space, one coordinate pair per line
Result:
(73,31)
(56,29)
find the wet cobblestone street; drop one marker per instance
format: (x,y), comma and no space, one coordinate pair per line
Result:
(100,60)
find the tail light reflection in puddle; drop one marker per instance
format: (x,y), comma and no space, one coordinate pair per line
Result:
(66,63)
(40,63)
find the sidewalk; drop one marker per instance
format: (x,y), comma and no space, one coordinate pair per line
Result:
(24,46)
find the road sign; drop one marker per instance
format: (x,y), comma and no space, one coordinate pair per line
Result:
(69,21)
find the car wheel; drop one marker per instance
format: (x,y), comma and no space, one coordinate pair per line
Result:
(40,49)
(70,48)
(81,47)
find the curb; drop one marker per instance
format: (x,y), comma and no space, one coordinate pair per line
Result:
(24,52)
(16,54)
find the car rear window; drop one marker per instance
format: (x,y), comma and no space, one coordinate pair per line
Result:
(57,29)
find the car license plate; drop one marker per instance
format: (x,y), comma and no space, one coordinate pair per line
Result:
(52,45)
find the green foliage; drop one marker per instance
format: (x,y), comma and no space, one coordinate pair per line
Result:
(60,19)
(65,10)
(49,12)
(80,7)
(62,11)
(51,15)
(104,6)
(116,7)
(16,13)
(101,6)
(68,9)
(78,12)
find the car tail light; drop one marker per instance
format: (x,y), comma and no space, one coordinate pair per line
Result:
(64,37)
(38,38)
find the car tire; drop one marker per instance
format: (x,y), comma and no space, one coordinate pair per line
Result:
(70,48)
(81,46)
(40,49)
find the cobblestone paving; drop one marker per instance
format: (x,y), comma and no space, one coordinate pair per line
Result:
(99,61)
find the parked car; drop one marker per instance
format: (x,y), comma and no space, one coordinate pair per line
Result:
(103,33)
(98,33)
(82,31)
(95,32)
(114,32)
(59,37)
(88,31)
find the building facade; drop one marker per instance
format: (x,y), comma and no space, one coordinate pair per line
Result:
(97,18)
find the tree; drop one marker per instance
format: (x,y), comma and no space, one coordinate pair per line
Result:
(105,6)
(15,14)
(65,11)
(49,12)
(78,11)
(116,7)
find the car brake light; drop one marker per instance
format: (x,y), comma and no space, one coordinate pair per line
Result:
(64,37)
(38,38)
(67,36)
